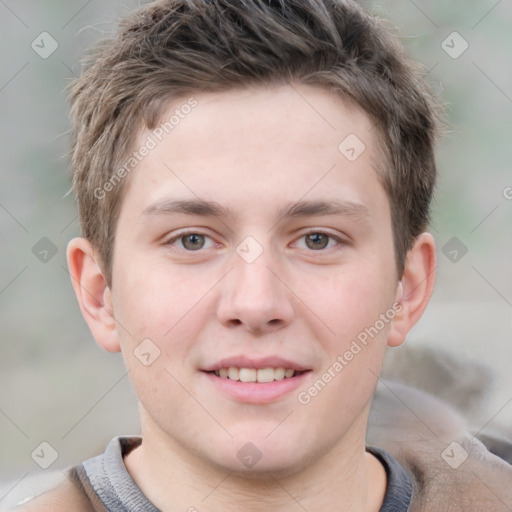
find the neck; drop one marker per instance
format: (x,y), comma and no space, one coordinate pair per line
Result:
(175,479)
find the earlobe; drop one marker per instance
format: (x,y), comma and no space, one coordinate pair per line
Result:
(415,288)
(92,293)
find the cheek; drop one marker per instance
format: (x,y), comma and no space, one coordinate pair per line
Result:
(158,301)
(354,339)
(346,303)
(161,316)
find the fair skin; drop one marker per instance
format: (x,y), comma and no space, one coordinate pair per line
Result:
(323,276)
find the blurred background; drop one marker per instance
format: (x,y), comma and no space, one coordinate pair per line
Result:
(58,387)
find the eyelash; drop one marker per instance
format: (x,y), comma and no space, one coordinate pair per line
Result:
(182,235)
(330,236)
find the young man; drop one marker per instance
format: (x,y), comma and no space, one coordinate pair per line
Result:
(253,181)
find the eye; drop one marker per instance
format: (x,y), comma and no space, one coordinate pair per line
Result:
(191,241)
(317,241)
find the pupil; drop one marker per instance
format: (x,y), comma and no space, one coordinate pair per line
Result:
(193,242)
(316,241)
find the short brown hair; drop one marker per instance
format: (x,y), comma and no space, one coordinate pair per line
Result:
(173,48)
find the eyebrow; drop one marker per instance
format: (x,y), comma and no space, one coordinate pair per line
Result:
(332,207)
(292,210)
(188,207)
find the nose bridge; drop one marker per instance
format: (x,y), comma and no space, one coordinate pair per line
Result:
(255,279)
(253,295)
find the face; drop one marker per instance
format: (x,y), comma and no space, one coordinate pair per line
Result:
(255,242)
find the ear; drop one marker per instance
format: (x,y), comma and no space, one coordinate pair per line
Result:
(92,293)
(415,288)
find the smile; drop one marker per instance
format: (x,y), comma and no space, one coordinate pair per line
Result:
(256,385)
(255,374)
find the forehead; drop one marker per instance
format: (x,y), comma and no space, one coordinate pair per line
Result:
(258,145)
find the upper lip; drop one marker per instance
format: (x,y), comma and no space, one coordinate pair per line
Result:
(258,363)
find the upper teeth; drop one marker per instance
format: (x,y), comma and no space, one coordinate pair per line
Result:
(254,375)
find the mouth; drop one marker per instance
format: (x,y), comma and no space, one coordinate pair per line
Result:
(259,375)
(256,381)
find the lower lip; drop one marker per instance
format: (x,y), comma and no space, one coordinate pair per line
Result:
(256,392)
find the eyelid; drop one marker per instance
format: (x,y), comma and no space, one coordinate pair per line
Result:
(340,239)
(170,240)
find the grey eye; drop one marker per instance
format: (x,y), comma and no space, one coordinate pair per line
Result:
(317,240)
(193,242)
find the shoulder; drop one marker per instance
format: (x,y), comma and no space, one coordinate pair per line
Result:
(66,494)
(430,441)
(86,487)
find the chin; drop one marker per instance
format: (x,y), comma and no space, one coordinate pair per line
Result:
(266,469)
(255,457)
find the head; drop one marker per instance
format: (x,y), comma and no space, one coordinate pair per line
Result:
(180,48)
(253,180)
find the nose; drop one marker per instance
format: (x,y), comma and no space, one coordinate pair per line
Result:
(254,296)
